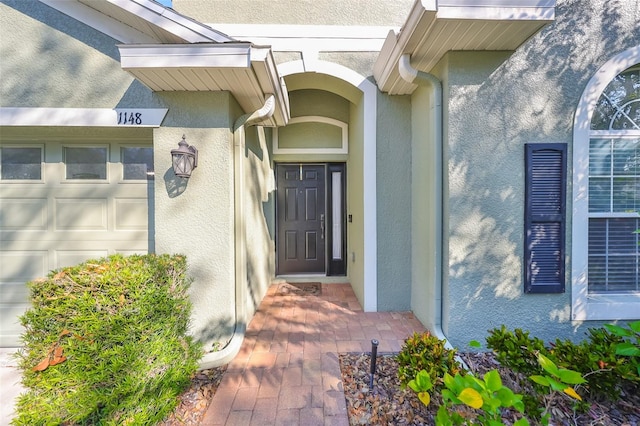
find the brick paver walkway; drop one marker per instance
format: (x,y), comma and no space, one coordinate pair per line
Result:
(287,371)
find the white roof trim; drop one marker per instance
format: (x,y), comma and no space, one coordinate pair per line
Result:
(84,117)
(318,38)
(434,28)
(236,55)
(95,13)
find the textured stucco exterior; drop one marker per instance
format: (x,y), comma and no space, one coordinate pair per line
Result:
(448,231)
(70,64)
(304,12)
(394,203)
(496,102)
(195,216)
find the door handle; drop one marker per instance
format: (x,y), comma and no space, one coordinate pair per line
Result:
(322,226)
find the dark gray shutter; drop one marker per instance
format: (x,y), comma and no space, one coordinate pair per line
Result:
(545,217)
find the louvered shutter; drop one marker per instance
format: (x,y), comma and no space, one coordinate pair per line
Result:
(545,217)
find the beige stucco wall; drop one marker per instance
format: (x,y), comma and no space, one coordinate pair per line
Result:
(302,12)
(496,103)
(195,216)
(394,202)
(48,60)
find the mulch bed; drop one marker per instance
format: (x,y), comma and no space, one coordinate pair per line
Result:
(196,399)
(387,404)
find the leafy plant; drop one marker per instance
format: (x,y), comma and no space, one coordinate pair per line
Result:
(515,349)
(630,346)
(106,343)
(595,358)
(556,380)
(426,352)
(488,395)
(422,385)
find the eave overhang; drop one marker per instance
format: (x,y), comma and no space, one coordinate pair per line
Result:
(434,28)
(245,70)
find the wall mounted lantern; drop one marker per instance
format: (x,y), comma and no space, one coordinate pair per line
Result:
(184,159)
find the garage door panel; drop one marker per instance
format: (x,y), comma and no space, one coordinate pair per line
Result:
(20,266)
(54,222)
(81,215)
(62,239)
(14,293)
(74,257)
(11,329)
(24,214)
(131,213)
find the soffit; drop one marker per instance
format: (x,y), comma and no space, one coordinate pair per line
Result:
(247,71)
(434,28)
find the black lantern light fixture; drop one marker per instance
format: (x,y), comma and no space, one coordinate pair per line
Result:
(184,159)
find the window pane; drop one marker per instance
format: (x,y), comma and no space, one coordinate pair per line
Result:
(21,163)
(626,157)
(599,157)
(336,212)
(137,163)
(614,175)
(613,255)
(626,195)
(599,195)
(619,105)
(86,163)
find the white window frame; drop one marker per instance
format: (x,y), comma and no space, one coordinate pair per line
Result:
(585,306)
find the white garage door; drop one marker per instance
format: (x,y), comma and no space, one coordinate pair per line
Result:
(62,203)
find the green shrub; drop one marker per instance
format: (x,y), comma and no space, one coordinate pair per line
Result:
(106,343)
(594,358)
(629,347)
(426,352)
(516,350)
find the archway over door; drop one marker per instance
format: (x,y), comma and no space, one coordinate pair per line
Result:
(361,186)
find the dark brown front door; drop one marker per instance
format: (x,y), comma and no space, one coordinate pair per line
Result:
(301,219)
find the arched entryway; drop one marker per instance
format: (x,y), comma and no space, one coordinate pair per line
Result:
(339,86)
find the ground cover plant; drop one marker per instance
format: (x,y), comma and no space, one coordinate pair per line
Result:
(106,343)
(521,381)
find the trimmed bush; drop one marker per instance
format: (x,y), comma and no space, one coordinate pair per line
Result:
(426,352)
(106,343)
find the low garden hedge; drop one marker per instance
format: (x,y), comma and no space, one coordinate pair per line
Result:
(106,343)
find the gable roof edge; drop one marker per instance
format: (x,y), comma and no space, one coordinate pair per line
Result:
(162,24)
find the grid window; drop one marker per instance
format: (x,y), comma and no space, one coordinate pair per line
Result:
(137,163)
(18,163)
(86,162)
(614,188)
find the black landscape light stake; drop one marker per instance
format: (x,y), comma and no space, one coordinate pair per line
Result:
(374,355)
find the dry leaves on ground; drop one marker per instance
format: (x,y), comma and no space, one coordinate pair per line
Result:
(387,404)
(196,399)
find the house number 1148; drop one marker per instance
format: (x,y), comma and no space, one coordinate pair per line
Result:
(129,118)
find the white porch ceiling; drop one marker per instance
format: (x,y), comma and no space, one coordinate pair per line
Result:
(434,28)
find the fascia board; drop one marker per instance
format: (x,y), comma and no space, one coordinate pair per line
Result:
(99,21)
(169,20)
(494,13)
(266,72)
(423,16)
(226,55)
(156,15)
